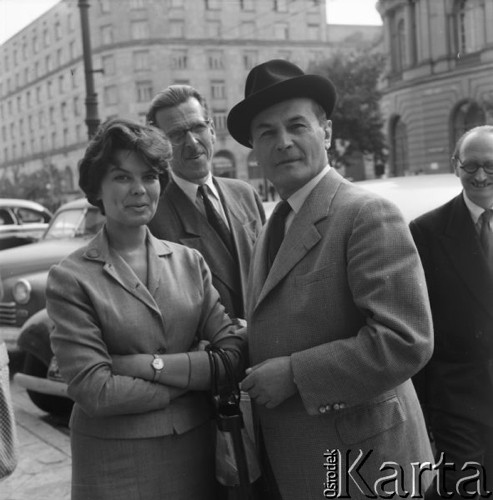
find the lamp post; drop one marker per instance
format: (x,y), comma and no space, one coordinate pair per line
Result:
(92,117)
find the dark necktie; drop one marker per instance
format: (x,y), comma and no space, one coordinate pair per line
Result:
(486,236)
(277,225)
(215,219)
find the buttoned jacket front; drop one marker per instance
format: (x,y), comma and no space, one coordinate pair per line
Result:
(178,219)
(346,299)
(100,308)
(459,377)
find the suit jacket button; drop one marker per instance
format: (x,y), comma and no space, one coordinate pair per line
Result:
(336,406)
(322,409)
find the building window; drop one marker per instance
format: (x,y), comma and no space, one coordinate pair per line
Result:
(35,44)
(250,58)
(59,57)
(72,50)
(139,30)
(218,89)
(179,59)
(141,60)
(46,38)
(106,34)
(280,5)
(281,31)
(41,119)
(64,111)
(108,64)
(38,95)
(398,43)
(49,87)
(246,4)
(176,28)
(215,59)
(219,117)
(137,4)
(312,31)
(399,149)
(58,30)
(52,115)
(470,26)
(61,84)
(110,95)
(467,116)
(48,63)
(105,6)
(144,91)
(76,106)
(212,4)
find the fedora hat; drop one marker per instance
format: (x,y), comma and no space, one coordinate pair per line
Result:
(270,83)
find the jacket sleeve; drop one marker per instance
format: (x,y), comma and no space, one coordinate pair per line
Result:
(83,357)
(217,327)
(387,289)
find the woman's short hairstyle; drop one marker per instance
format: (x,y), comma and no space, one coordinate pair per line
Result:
(118,134)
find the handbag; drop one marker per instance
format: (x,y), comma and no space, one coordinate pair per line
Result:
(237,464)
(8,436)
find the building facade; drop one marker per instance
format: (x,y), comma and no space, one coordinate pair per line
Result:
(138,48)
(439,78)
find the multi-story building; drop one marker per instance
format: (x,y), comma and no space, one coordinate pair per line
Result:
(439,79)
(138,48)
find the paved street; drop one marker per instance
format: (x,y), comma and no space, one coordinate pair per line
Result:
(43,471)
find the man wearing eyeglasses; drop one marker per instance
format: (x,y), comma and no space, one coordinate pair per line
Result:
(455,242)
(220,217)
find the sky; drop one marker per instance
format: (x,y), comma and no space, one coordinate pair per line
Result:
(16,14)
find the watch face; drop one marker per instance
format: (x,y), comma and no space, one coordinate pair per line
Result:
(158,364)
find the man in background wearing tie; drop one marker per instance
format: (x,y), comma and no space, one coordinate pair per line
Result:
(455,242)
(219,217)
(338,319)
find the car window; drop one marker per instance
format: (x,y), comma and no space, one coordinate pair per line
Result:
(28,216)
(75,222)
(5,217)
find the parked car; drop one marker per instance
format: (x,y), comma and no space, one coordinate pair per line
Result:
(414,195)
(21,222)
(23,272)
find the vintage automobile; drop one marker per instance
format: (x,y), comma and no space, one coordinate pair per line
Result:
(21,222)
(414,195)
(23,271)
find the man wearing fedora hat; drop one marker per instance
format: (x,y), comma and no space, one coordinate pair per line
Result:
(338,318)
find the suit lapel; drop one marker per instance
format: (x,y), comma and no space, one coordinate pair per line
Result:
(461,242)
(201,236)
(301,237)
(115,267)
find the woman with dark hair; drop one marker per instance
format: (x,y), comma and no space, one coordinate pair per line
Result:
(130,311)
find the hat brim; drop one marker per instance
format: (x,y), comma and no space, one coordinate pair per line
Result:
(314,87)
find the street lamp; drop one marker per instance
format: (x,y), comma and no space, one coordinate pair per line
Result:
(92,117)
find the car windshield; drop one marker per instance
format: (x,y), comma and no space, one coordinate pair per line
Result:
(74,223)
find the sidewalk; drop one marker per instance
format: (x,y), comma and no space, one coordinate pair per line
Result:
(43,470)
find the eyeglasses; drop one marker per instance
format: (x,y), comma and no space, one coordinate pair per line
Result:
(178,135)
(471,167)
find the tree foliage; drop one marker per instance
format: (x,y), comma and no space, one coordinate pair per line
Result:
(357,123)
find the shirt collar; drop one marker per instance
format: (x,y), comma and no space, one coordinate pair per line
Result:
(297,199)
(475,210)
(190,188)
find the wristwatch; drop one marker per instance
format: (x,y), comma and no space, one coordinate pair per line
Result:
(157,365)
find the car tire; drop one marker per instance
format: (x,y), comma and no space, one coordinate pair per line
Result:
(54,405)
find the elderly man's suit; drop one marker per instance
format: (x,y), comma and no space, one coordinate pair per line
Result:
(458,381)
(346,299)
(178,219)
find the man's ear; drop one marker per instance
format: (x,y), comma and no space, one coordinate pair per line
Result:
(328,134)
